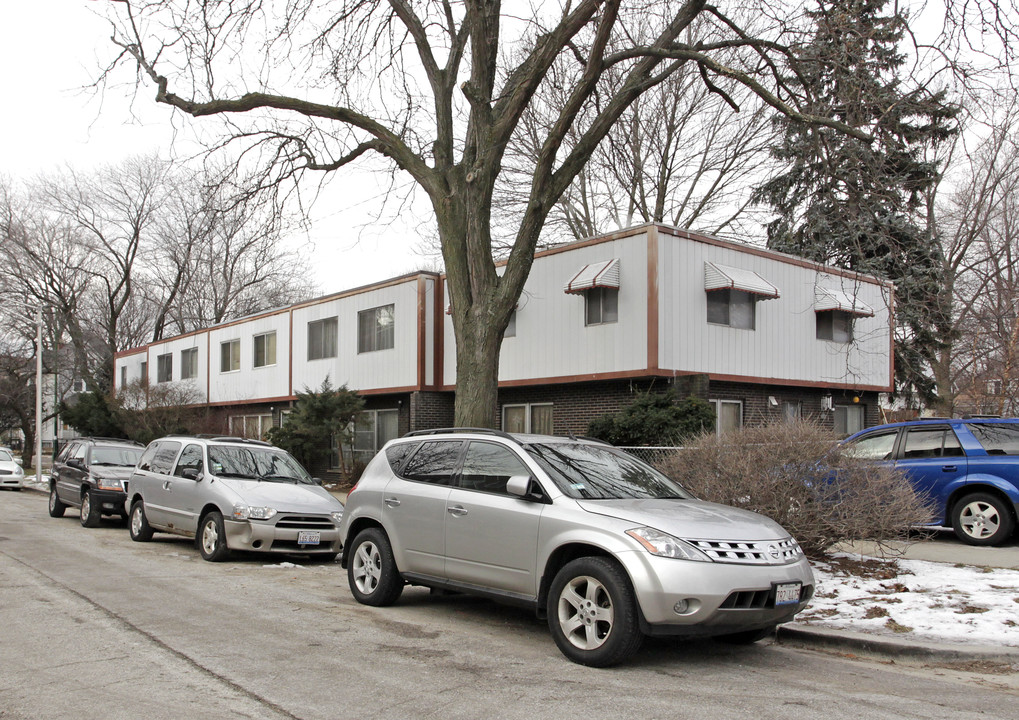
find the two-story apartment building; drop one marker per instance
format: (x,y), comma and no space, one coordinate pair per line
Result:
(762,335)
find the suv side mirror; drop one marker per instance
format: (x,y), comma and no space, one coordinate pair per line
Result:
(523,487)
(77,463)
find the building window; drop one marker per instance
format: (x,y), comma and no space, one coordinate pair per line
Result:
(533,418)
(322,339)
(601,306)
(728,415)
(791,410)
(372,430)
(164,368)
(252,427)
(189,364)
(230,356)
(145,373)
(375,329)
(835,325)
(734,308)
(511,328)
(123,376)
(994,387)
(848,419)
(265,349)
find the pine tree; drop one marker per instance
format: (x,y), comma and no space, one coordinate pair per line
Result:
(862,204)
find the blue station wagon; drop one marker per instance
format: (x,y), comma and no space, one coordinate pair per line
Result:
(968,467)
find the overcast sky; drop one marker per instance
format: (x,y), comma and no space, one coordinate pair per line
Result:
(51,49)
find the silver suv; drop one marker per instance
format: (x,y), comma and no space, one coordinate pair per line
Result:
(231,494)
(603,545)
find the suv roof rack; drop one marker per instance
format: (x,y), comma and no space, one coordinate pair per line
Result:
(221,438)
(99,438)
(464,430)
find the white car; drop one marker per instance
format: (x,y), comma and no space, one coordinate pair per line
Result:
(11,473)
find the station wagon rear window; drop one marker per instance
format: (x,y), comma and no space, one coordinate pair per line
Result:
(996,438)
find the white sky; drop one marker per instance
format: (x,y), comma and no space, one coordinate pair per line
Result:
(50,49)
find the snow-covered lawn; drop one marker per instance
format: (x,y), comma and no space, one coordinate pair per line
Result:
(916,599)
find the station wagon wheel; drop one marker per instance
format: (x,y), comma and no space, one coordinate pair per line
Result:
(89,511)
(982,519)
(592,612)
(137,526)
(57,507)
(371,572)
(212,538)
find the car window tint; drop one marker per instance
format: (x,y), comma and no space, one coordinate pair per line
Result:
(79,452)
(396,454)
(191,459)
(162,461)
(878,446)
(115,456)
(435,462)
(996,438)
(5,456)
(931,443)
(145,463)
(65,453)
(488,467)
(600,472)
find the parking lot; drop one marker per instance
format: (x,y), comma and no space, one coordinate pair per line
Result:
(98,626)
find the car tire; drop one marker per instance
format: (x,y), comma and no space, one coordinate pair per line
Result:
(137,526)
(746,637)
(592,612)
(212,538)
(982,519)
(89,513)
(371,571)
(57,506)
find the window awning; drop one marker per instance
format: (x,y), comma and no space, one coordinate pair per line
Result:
(596,275)
(830,299)
(723,277)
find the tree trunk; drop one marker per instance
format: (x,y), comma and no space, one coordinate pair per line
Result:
(477,372)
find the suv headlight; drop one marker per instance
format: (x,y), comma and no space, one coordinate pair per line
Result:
(108,484)
(664,545)
(243,512)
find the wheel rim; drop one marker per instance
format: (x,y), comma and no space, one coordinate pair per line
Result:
(136,520)
(53,499)
(585,613)
(980,519)
(367,567)
(86,507)
(210,536)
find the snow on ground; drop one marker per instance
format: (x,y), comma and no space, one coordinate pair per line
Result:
(916,599)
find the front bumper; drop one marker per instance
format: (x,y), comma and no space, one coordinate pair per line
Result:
(12,481)
(720,597)
(110,502)
(280,535)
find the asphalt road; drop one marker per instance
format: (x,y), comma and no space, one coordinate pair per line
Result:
(93,625)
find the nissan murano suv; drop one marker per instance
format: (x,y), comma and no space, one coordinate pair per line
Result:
(603,545)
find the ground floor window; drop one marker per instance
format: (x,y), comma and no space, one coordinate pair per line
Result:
(252,427)
(792,410)
(372,430)
(728,415)
(533,418)
(848,419)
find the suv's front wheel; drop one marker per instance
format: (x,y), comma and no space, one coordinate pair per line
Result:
(90,513)
(371,572)
(592,612)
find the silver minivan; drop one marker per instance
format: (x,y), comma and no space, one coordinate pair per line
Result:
(231,494)
(606,547)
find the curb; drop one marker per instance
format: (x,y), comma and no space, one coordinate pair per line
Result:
(893,647)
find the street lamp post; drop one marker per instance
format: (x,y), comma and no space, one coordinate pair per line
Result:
(38,396)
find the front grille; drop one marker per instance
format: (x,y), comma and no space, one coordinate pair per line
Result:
(6,472)
(763,552)
(305,522)
(746,600)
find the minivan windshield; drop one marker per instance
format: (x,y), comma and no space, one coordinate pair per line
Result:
(600,472)
(256,463)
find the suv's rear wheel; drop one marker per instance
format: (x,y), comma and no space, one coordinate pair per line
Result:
(90,512)
(371,572)
(592,612)
(982,519)
(137,526)
(212,538)
(57,507)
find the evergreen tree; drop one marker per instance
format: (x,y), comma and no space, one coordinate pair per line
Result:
(862,204)
(655,419)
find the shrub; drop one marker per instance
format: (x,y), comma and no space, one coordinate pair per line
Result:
(797,474)
(655,419)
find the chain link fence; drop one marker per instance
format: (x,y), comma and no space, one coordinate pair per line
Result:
(654,456)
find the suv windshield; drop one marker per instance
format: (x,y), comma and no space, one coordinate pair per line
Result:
(597,472)
(116,456)
(256,463)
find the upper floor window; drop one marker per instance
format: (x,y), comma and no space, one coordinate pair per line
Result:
(123,375)
(230,356)
(601,306)
(375,329)
(189,363)
(265,349)
(322,339)
(145,373)
(835,325)
(734,308)
(164,368)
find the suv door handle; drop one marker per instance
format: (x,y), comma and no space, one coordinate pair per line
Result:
(392,502)
(458,510)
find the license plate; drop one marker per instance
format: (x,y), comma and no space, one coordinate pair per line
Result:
(787,594)
(308,537)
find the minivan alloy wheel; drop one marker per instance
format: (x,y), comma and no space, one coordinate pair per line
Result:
(212,538)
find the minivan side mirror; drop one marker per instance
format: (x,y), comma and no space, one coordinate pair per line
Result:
(191,474)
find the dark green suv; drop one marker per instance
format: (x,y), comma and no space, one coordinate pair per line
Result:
(89,474)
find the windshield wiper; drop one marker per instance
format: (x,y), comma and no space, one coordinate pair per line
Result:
(242,476)
(281,478)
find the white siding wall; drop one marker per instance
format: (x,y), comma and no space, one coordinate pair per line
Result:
(174,347)
(249,383)
(783,346)
(552,339)
(133,363)
(360,371)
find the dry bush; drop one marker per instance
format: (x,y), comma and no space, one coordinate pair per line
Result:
(797,474)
